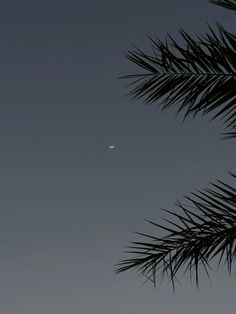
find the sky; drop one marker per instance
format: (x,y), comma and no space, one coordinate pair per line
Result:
(68,204)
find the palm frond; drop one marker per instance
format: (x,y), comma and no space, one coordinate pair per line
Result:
(194,237)
(198,77)
(228,4)
(229,135)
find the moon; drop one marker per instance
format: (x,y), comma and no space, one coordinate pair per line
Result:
(111,146)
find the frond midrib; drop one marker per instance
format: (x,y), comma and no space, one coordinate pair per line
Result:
(181,74)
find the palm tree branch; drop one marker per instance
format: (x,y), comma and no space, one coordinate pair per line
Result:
(207,231)
(198,77)
(228,4)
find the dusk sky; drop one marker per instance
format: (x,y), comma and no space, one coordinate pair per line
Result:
(68,203)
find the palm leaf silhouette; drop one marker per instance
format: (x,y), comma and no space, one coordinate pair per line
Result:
(197,77)
(228,4)
(199,235)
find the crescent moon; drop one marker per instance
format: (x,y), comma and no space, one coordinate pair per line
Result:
(111,146)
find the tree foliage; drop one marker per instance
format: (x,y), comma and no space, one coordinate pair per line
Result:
(228,4)
(200,231)
(196,77)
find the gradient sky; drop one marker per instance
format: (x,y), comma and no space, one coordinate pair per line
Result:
(68,204)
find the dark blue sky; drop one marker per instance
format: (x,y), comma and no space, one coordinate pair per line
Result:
(68,204)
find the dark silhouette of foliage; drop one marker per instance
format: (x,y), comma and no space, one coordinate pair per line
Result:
(205,228)
(198,77)
(228,4)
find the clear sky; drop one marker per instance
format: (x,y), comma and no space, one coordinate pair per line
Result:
(68,204)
